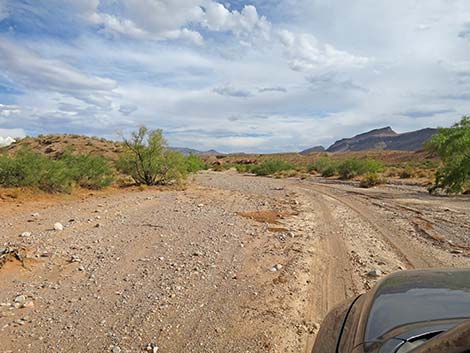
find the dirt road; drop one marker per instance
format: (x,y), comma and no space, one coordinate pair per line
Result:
(233,264)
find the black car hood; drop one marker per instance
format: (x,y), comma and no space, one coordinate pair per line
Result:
(417,297)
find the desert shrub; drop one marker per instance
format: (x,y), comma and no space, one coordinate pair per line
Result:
(325,166)
(29,169)
(329,170)
(270,167)
(194,163)
(353,167)
(243,168)
(289,173)
(407,172)
(91,172)
(311,168)
(371,179)
(452,145)
(147,159)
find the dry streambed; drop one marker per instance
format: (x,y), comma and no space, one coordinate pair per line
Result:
(232,264)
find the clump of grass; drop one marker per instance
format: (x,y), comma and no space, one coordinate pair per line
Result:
(407,172)
(371,179)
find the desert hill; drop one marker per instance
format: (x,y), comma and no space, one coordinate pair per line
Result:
(384,139)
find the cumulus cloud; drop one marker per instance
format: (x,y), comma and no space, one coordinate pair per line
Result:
(29,70)
(6,141)
(7,136)
(306,53)
(171,20)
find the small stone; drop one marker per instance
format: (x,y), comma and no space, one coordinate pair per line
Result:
(152,348)
(75,258)
(200,205)
(456,251)
(35,215)
(81,268)
(46,254)
(116,349)
(58,226)
(375,273)
(28,305)
(278,267)
(25,234)
(20,299)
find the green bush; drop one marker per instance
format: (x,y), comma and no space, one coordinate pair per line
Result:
(353,167)
(148,160)
(371,179)
(271,167)
(29,169)
(452,145)
(91,172)
(194,163)
(325,166)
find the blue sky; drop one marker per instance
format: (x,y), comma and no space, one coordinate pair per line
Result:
(255,76)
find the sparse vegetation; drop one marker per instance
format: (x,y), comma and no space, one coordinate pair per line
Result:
(452,145)
(148,160)
(353,167)
(271,167)
(30,169)
(194,163)
(371,179)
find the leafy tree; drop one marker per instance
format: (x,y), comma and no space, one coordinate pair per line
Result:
(148,160)
(452,145)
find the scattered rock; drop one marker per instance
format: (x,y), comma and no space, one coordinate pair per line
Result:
(375,273)
(75,258)
(28,305)
(58,226)
(276,267)
(25,234)
(20,299)
(151,347)
(116,349)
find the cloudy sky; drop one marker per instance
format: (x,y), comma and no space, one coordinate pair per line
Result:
(258,76)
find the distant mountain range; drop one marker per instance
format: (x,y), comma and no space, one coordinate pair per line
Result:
(187,151)
(380,139)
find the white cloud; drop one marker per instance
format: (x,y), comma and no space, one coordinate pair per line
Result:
(7,136)
(173,19)
(6,141)
(306,53)
(8,110)
(31,71)
(218,18)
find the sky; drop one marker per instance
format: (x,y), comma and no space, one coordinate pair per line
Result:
(255,76)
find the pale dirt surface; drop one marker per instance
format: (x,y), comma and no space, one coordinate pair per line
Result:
(184,270)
